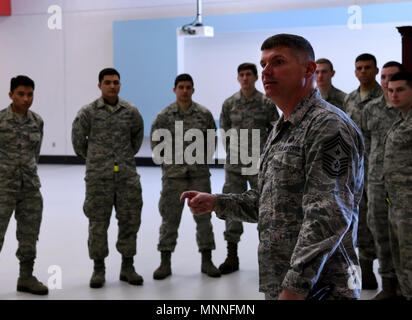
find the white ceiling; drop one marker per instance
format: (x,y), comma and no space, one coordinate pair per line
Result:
(208,6)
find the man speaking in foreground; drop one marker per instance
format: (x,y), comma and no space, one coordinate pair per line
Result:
(309,186)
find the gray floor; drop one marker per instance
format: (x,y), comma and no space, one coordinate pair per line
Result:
(64,265)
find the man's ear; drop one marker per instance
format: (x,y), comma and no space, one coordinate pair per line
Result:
(310,69)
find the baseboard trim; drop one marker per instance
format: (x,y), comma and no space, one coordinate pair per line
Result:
(140,161)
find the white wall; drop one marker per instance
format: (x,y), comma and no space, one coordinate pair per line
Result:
(65,63)
(213,62)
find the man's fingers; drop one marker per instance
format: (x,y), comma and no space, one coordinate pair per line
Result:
(188,194)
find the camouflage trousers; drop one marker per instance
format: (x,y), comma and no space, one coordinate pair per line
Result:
(171,209)
(27,207)
(235,182)
(126,198)
(400,237)
(378,224)
(366,244)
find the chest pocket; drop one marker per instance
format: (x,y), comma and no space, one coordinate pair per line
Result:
(6,135)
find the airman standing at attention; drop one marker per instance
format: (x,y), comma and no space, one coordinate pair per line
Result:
(378,115)
(366,71)
(179,174)
(21,135)
(251,110)
(108,133)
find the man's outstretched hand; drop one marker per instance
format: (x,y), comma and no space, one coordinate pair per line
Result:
(199,202)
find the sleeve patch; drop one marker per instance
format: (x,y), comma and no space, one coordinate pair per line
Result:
(335,156)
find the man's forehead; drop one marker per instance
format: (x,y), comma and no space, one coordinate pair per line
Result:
(276,51)
(365,63)
(23,88)
(110,77)
(389,70)
(322,66)
(184,84)
(397,84)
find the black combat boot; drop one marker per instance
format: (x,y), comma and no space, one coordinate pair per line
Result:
(127,273)
(164,269)
(368,277)
(207,265)
(97,280)
(29,283)
(389,290)
(231,263)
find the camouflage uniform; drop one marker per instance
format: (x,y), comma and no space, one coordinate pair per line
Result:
(397,171)
(377,118)
(107,138)
(306,205)
(256,112)
(177,178)
(335,96)
(20,141)
(353,107)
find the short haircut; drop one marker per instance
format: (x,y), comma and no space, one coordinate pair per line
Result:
(298,44)
(21,81)
(183,77)
(247,66)
(325,61)
(394,64)
(366,57)
(108,72)
(403,75)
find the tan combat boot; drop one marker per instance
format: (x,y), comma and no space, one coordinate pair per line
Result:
(29,283)
(98,277)
(231,264)
(128,274)
(164,270)
(207,265)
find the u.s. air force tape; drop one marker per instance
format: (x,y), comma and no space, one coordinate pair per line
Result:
(335,156)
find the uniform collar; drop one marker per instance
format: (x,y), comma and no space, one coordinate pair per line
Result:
(374,93)
(10,114)
(408,114)
(101,103)
(176,109)
(241,97)
(303,107)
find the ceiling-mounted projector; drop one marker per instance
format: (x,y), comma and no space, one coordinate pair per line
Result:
(196,28)
(195,31)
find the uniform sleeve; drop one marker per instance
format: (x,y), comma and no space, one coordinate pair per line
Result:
(273,114)
(212,125)
(238,207)
(80,133)
(366,138)
(137,131)
(155,125)
(41,125)
(225,123)
(345,103)
(334,182)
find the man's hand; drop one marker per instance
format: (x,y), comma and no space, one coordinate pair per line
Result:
(199,202)
(286,294)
